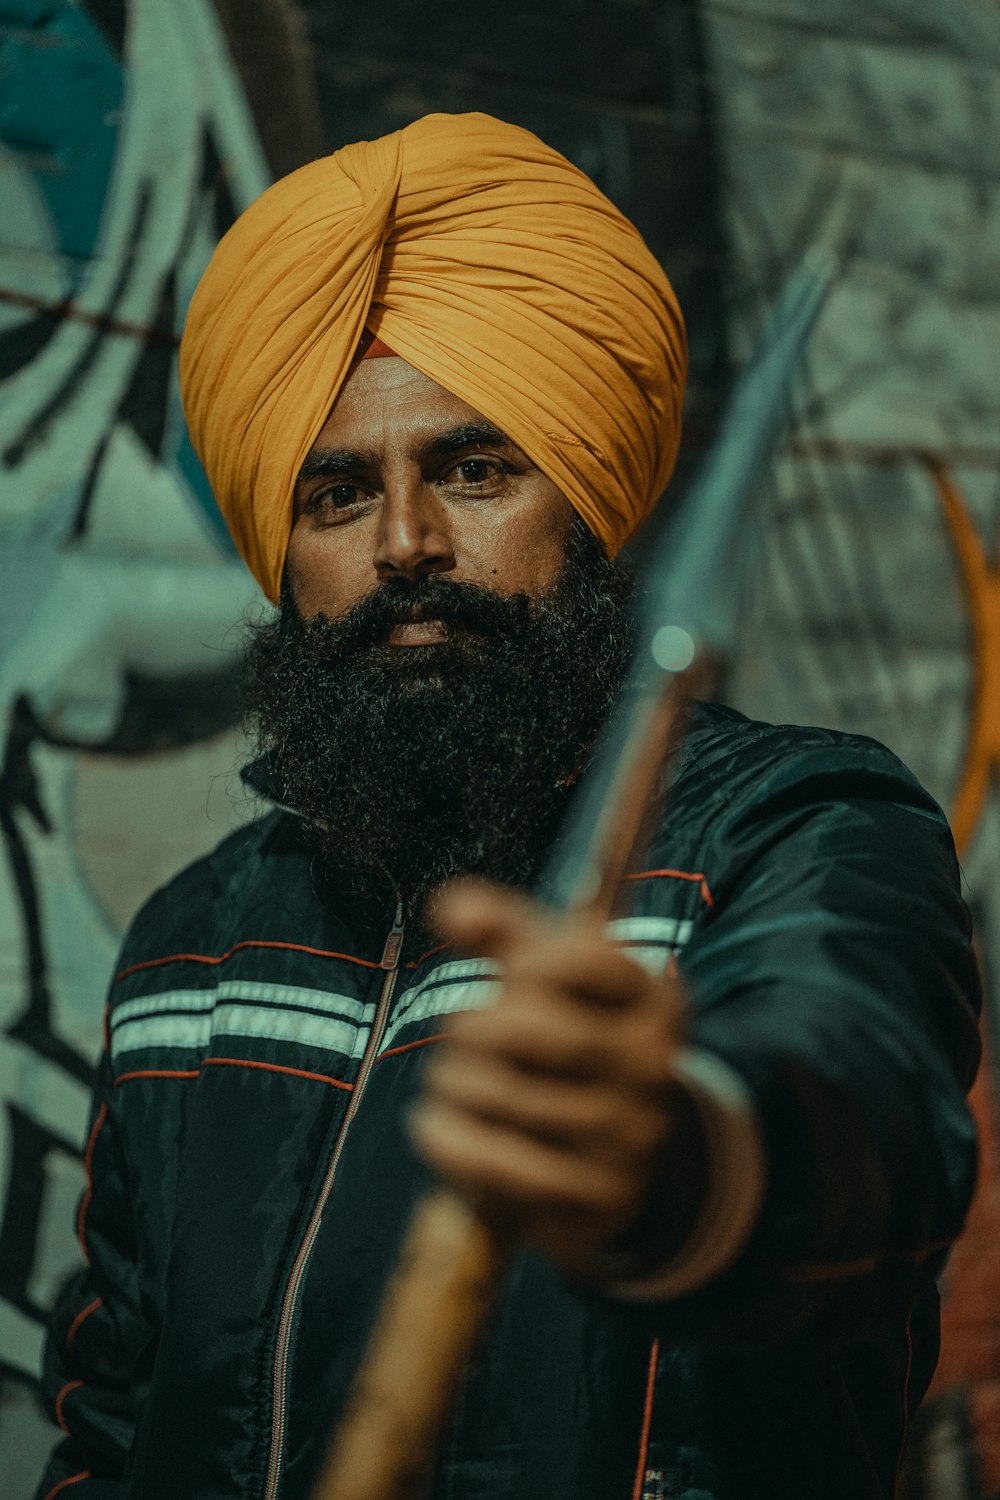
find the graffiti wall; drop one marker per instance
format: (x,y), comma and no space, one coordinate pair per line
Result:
(735,132)
(126,145)
(130,135)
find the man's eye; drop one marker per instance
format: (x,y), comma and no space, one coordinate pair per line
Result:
(477,471)
(334,497)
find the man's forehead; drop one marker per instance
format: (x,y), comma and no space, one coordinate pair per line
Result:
(386,401)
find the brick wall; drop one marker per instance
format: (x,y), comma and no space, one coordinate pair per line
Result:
(868,597)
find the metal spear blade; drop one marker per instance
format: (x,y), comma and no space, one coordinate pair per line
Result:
(680,586)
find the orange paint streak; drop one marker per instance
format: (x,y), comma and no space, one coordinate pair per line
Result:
(981,584)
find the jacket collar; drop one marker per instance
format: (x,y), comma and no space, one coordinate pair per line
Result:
(261,776)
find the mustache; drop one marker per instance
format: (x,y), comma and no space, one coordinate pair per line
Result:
(469,606)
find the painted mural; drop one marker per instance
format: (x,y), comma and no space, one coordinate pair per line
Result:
(126,147)
(132,132)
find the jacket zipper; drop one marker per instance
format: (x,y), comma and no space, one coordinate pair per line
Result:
(390,964)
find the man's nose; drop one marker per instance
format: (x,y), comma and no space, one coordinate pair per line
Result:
(414,534)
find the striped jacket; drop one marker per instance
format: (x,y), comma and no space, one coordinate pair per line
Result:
(249,1175)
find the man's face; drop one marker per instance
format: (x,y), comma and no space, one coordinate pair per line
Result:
(418,526)
(406,480)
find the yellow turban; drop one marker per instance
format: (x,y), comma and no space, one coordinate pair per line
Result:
(483,258)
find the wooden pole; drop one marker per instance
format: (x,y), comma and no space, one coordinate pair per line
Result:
(452,1260)
(435,1304)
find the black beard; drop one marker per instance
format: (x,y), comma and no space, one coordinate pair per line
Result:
(415,764)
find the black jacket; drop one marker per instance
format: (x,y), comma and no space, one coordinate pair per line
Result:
(250,1176)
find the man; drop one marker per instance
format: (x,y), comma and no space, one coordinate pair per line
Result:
(436,381)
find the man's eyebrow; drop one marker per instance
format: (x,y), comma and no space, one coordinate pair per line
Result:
(333,461)
(470,435)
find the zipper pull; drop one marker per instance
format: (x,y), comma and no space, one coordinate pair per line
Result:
(394,941)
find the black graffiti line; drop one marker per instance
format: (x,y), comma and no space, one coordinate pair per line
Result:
(68,311)
(38,425)
(31,1144)
(82,516)
(34,1025)
(19,789)
(213,184)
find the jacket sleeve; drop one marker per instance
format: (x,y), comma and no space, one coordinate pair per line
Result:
(835,982)
(92,1376)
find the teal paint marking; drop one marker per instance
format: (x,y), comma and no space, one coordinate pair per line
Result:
(60,109)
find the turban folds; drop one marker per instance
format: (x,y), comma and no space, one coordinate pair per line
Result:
(489,263)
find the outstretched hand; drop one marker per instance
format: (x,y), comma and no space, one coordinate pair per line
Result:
(552,1110)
